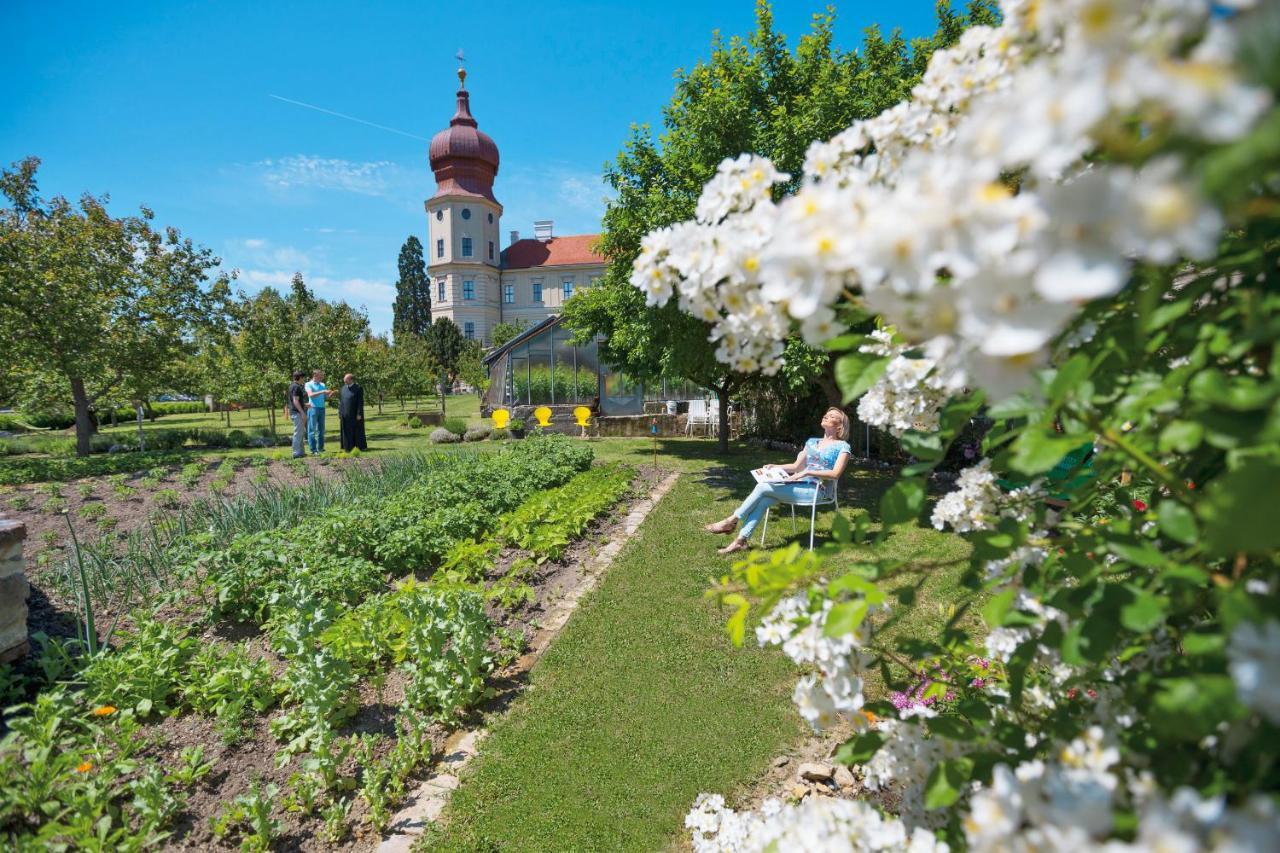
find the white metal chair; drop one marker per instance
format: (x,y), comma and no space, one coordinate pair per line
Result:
(828,493)
(699,416)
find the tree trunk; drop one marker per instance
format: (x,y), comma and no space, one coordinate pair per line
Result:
(84,422)
(380,395)
(271,420)
(113,417)
(723,393)
(827,382)
(442,392)
(151,413)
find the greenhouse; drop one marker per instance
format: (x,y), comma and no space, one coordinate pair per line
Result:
(542,366)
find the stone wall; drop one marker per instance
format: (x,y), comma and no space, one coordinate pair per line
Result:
(639,425)
(13,592)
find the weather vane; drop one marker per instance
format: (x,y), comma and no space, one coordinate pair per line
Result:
(462,71)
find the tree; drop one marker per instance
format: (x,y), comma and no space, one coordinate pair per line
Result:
(504,332)
(471,369)
(96,300)
(374,367)
(753,96)
(413,292)
(445,344)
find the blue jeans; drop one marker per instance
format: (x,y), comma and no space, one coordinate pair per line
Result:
(766,495)
(315,429)
(299,433)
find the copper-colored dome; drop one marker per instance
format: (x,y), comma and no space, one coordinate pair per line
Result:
(463,157)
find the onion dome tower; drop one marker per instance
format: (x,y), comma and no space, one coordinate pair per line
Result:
(463,157)
(463,222)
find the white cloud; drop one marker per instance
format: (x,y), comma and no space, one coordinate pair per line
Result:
(258,279)
(328,173)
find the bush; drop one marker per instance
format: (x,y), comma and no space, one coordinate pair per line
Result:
(167,439)
(413,423)
(457,426)
(57,419)
(13,423)
(211,437)
(476,434)
(440,435)
(499,434)
(179,407)
(237,438)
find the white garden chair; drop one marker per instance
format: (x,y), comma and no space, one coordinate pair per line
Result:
(699,416)
(828,493)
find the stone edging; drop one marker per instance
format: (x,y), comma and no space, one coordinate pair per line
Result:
(426,803)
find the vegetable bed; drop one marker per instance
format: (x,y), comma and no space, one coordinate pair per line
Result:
(298,676)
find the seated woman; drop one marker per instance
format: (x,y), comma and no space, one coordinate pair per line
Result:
(823,459)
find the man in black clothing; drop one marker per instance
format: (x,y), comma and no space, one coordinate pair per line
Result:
(351,415)
(295,406)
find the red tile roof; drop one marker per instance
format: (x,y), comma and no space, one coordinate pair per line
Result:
(558,251)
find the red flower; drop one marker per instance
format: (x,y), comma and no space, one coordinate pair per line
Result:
(1140,506)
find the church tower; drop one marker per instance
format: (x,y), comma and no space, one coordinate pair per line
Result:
(463,219)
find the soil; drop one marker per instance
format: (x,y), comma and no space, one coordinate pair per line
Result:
(52,607)
(252,757)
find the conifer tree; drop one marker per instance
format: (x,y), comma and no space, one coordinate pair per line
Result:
(413,292)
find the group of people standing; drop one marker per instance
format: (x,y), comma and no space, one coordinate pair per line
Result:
(306,402)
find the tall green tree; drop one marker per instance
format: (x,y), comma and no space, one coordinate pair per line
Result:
(752,95)
(446,343)
(413,292)
(504,332)
(99,301)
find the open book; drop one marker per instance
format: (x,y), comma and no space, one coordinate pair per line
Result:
(769,475)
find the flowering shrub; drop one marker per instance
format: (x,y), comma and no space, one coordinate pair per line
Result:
(1072,223)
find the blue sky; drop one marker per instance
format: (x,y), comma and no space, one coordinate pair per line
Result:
(169,104)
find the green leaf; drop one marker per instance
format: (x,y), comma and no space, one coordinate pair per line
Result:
(1144,612)
(1239,510)
(1069,375)
(951,726)
(995,610)
(902,503)
(1038,449)
(737,623)
(845,617)
(1176,521)
(1020,405)
(1187,709)
(840,530)
(858,371)
(947,782)
(922,445)
(860,748)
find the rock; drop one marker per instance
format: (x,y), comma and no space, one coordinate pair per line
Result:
(814,772)
(843,777)
(799,791)
(781,761)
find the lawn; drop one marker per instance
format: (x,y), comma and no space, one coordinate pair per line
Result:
(642,702)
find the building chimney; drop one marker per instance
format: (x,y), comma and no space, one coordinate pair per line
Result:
(542,229)
(515,237)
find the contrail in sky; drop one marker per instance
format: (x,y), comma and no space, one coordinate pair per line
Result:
(347,117)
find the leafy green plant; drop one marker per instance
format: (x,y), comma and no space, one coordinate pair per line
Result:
(107,523)
(457,426)
(85,490)
(20,502)
(250,817)
(53,506)
(149,482)
(145,672)
(191,766)
(167,498)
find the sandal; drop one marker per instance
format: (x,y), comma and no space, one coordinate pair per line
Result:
(720,526)
(735,545)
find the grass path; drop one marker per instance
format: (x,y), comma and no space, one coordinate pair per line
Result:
(641,703)
(637,706)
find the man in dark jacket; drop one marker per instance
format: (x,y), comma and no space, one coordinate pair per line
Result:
(295,406)
(351,415)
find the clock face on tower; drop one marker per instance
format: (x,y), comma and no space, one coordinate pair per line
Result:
(466,214)
(439,215)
